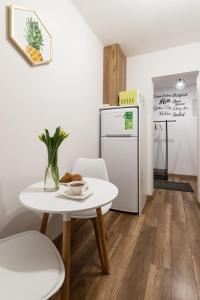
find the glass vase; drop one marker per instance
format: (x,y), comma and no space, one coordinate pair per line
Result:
(51,179)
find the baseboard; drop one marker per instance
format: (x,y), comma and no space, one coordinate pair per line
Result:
(184,176)
(150,197)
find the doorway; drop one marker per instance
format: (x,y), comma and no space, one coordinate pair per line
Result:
(175,131)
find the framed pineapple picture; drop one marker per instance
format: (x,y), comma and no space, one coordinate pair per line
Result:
(29,34)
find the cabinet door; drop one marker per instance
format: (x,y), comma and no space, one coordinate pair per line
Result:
(114,80)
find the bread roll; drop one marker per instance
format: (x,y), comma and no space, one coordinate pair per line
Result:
(76,177)
(66,178)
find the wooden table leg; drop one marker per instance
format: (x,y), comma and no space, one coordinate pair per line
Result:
(103,240)
(45,219)
(66,258)
(98,240)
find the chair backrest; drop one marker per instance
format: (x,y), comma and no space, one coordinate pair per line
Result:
(95,167)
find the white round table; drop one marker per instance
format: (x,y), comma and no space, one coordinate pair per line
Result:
(104,192)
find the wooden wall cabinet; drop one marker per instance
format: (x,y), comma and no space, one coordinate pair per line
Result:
(114,74)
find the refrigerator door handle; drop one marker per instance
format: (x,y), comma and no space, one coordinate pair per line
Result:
(118,135)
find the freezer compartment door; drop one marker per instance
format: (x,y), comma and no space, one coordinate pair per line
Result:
(120,121)
(121,157)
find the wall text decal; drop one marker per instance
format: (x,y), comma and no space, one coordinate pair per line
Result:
(172,105)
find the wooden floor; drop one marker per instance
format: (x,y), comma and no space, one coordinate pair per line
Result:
(154,256)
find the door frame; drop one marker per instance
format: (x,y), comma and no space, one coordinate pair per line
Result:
(198,130)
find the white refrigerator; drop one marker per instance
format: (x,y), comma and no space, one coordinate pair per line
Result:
(120,147)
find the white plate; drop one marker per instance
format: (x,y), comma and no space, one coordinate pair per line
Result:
(86,193)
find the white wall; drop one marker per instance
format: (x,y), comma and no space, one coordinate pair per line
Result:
(140,71)
(66,92)
(182,134)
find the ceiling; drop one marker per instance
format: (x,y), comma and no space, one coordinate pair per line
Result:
(142,26)
(168,82)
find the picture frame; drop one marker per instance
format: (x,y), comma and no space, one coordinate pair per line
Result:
(29,35)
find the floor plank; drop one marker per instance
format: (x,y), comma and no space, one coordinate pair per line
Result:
(134,283)
(159,284)
(196,264)
(193,220)
(183,277)
(152,211)
(178,212)
(162,249)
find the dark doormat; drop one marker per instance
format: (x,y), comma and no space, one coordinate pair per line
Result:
(175,186)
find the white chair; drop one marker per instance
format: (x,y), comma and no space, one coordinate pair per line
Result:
(30,267)
(91,168)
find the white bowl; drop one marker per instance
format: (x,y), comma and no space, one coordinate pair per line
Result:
(76,187)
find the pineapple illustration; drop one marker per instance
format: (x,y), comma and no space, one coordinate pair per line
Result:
(34,39)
